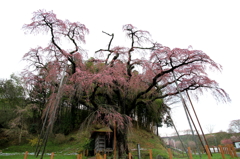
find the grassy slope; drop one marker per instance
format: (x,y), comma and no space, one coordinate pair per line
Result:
(147,141)
(136,136)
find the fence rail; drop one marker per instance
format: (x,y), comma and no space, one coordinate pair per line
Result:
(226,149)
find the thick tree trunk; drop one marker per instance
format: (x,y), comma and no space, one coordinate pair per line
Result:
(122,145)
(20,134)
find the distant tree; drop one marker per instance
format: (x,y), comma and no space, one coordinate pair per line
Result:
(192,144)
(12,94)
(210,128)
(230,131)
(171,142)
(187,132)
(121,83)
(234,126)
(179,145)
(14,114)
(235,137)
(221,135)
(212,140)
(226,141)
(19,125)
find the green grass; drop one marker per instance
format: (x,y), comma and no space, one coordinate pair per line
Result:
(33,157)
(68,147)
(145,139)
(143,156)
(204,156)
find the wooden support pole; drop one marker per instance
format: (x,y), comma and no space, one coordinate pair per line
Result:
(208,152)
(177,134)
(170,153)
(221,151)
(189,153)
(52,155)
(129,155)
(198,124)
(150,153)
(105,156)
(26,155)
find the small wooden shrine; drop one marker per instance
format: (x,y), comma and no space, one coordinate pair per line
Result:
(103,138)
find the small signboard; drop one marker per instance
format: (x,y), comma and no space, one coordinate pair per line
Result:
(237,144)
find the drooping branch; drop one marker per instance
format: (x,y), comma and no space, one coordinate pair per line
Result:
(190,61)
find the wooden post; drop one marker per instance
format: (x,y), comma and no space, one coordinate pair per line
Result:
(224,150)
(26,155)
(234,151)
(97,156)
(170,153)
(105,156)
(230,150)
(189,153)
(52,155)
(221,151)
(150,153)
(213,149)
(129,155)
(208,152)
(139,151)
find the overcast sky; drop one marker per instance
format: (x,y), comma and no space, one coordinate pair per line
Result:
(209,25)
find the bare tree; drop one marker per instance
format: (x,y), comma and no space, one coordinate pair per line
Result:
(210,128)
(234,126)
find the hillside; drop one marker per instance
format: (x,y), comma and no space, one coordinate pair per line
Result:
(77,142)
(147,141)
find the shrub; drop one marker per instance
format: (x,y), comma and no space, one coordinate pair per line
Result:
(34,141)
(60,138)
